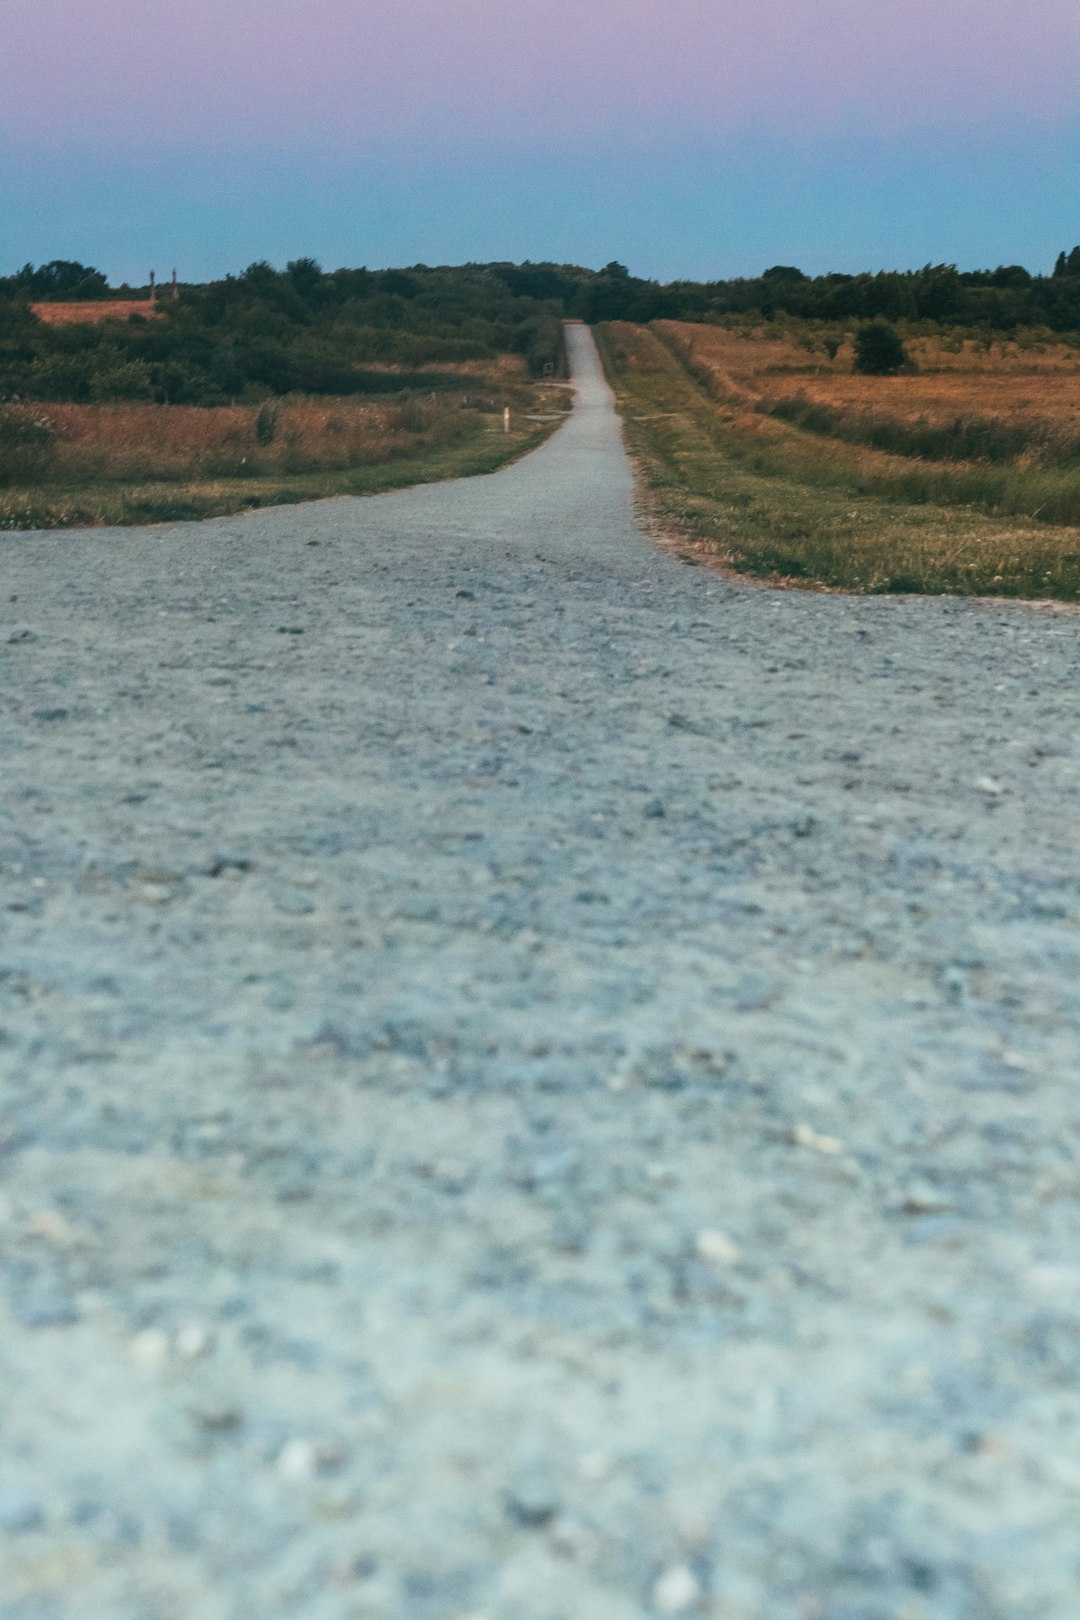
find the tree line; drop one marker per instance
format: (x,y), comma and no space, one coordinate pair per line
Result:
(303,329)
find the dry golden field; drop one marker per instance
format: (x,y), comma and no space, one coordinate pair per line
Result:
(762,446)
(1031,393)
(138,441)
(63,465)
(95,311)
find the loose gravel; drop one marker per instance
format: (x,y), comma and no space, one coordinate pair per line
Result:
(539,1083)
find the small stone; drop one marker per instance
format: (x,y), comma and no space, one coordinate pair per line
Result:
(922,1199)
(653,810)
(192,1342)
(661,1175)
(676,1591)
(217,1417)
(756,992)
(227,861)
(532,1500)
(149,1348)
(293,902)
(805,1136)
(51,1227)
(18,636)
(988,786)
(297,1460)
(717,1248)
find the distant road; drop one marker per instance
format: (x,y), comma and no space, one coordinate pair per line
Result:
(539,1082)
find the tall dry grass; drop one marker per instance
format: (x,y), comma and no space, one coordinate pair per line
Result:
(64,465)
(139,442)
(1000,432)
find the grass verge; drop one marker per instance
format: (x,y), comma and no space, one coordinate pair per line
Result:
(766,499)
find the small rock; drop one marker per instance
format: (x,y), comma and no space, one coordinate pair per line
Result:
(988,786)
(417,909)
(192,1342)
(149,1348)
(18,636)
(297,1460)
(51,1227)
(226,861)
(676,1591)
(717,1248)
(293,902)
(290,630)
(756,992)
(805,1136)
(922,1199)
(532,1500)
(217,1417)
(653,810)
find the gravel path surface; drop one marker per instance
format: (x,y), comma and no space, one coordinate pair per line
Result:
(539,1084)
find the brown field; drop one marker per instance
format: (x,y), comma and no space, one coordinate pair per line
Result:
(115,309)
(138,441)
(1003,435)
(952,375)
(63,465)
(763,452)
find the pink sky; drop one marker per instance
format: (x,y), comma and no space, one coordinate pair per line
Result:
(346,74)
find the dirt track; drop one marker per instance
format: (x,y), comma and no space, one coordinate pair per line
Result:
(539,1084)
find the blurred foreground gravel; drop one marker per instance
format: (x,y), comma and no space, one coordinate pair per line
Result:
(539,1084)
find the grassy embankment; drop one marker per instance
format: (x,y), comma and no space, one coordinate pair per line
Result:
(766,453)
(65,465)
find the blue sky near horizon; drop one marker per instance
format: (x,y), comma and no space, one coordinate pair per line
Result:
(697,138)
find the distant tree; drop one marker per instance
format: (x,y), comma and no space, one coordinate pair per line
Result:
(62,279)
(783,272)
(1011,275)
(879,350)
(305,274)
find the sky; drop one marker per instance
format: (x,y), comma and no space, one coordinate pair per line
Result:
(698,138)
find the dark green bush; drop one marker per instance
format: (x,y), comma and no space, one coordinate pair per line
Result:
(266,425)
(879,350)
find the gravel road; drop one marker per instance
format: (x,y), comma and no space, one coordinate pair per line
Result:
(539,1083)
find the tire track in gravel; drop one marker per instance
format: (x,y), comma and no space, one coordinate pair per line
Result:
(537,1082)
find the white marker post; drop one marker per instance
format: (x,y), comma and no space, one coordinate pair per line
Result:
(506,418)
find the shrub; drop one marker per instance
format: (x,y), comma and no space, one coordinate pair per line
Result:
(27,441)
(266,425)
(130,380)
(879,350)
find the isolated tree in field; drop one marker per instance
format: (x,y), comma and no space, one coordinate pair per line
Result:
(879,350)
